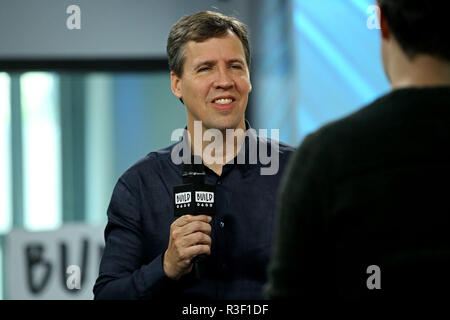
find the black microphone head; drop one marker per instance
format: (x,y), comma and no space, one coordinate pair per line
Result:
(194,196)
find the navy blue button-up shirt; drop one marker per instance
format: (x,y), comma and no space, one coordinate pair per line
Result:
(141,212)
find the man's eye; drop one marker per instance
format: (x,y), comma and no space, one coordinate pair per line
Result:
(236,66)
(203,69)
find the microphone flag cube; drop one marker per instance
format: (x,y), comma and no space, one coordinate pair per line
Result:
(194,199)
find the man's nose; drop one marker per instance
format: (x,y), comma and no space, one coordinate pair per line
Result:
(224,79)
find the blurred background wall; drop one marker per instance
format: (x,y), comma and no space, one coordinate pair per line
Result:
(69,129)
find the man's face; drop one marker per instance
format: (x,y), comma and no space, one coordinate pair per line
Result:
(215,82)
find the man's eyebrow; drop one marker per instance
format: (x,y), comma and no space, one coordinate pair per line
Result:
(236,60)
(204,63)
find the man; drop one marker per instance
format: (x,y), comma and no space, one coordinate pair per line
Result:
(365,211)
(149,253)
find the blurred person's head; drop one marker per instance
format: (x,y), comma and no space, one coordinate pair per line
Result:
(414,38)
(209,60)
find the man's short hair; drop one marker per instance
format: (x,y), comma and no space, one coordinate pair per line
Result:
(420,26)
(199,27)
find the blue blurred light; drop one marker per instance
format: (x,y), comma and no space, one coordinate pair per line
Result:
(332,55)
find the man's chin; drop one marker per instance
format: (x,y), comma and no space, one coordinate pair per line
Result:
(223,125)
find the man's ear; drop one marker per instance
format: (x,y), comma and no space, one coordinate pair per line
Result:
(385,30)
(175,85)
(248,74)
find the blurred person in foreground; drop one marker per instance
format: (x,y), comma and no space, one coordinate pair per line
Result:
(364,208)
(149,252)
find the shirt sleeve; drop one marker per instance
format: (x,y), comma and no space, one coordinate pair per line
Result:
(122,273)
(297,267)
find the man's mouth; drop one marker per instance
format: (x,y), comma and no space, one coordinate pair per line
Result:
(223,101)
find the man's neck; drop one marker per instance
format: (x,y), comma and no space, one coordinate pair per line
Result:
(422,71)
(216,147)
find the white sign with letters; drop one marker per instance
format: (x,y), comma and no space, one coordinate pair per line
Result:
(60,264)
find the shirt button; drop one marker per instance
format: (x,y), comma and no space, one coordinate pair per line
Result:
(224,268)
(222,224)
(219,182)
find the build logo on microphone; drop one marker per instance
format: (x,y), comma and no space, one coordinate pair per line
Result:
(183,199)
(204,198)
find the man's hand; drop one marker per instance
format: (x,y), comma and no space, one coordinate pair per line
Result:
(189,237)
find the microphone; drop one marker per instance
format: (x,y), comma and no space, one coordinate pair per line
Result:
(194,197)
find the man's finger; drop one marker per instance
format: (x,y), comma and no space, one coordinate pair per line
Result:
(195,226)
(196,239)
(183,220)
(193,251)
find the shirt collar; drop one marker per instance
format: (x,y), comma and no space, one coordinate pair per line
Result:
(246,167)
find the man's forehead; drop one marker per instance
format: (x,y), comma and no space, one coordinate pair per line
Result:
(202,51)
